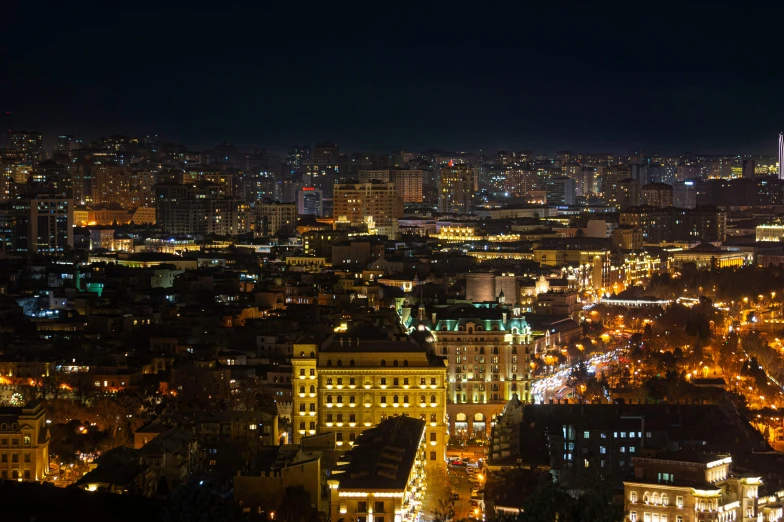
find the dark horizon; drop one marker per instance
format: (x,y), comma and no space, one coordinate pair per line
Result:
(695,78)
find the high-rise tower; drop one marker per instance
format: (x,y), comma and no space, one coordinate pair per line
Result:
(781,155)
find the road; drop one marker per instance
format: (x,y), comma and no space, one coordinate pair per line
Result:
(556,386)
(460,482)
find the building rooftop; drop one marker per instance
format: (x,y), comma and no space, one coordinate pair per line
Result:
(382,457)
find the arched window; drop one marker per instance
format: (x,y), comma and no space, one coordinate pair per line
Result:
(395,399)
(481,349)
(495,327)
(495,350)
(383,362)
(340,399)
(514,377)
(433,417)
(312,355)
(302,354)
(646,497)
(312,389)
(351,362)
(405,362)
(443,328)
(405,399)
(329,399)
(422,399)
(514,330)
(383,399)
(656,499)
(433,398)
(633,497)
(302,389)
(340,363)
(351,399)
(514,386)
(394,363)
(329,362)
(445,351)
(495,387)
(665,499)
(479,329)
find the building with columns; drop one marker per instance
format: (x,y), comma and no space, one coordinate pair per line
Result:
(687,486)
(489,349)
(349,382)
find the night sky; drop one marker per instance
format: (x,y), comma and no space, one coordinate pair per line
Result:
(375,77)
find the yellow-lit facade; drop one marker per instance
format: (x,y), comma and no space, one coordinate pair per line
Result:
(489,362)
(347,392)
(24,443)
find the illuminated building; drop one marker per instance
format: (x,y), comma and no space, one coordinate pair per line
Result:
(382,478)
(347,383)
(182,209)
(585,268)
(368,176)
(408,184)
(272,219)
(781,155)
(29,145)
(707,257)
(656,195)
(375,205)
(456,233)
(687,486)
(638,267)
(456,187)
(584,181)
(772,232)
(611,183)
(24,443)
(297,156)
(489,354)
(560,191)
(520,182)
(627,194)
(43,224)
(309,201)
(626,238)
(675,224)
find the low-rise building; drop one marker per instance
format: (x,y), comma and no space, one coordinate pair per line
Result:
(686,486)
(381,478)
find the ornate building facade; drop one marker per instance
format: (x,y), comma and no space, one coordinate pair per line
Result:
(489,350)
(350,382)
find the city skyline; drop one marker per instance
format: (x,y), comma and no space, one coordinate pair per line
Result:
(544,79)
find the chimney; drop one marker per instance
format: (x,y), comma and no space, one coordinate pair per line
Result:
(503,316)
